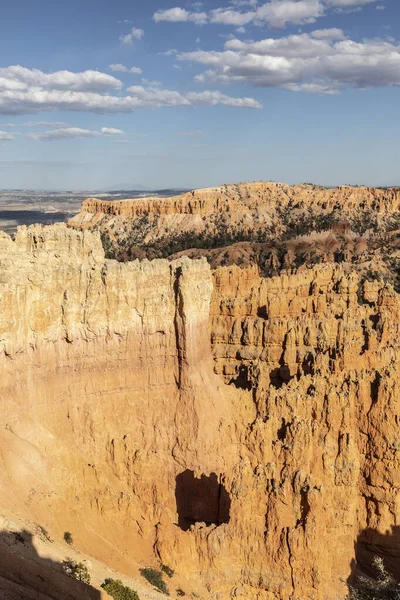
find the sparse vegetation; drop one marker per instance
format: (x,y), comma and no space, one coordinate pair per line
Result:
(156,579)
(117,590)
(43,534)
(68,538)
(180,592)
(167,570)
(77,570)
(383,587)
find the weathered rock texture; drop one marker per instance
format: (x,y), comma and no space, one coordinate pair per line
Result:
(276,226)
(117,379)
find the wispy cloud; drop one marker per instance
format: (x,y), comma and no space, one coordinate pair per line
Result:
(118,68)
(189,133)
(74,133)
(134,34)
(6,136)
(37,124)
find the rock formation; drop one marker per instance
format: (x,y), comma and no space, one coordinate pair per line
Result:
(240,429)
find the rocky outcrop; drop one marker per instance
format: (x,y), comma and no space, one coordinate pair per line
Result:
(305,224)
(234,198)
(241,430)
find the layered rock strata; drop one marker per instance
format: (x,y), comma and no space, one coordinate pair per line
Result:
(241,430)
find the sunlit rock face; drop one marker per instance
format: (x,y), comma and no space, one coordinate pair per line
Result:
(242,430)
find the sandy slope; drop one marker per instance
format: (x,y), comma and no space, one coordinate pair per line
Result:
(30,567)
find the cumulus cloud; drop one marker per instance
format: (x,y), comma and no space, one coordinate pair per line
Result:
(324,61)
(17,78)
(134,34)
(118,68)
(275,13)
(40,96)
(73,133)
(180,15)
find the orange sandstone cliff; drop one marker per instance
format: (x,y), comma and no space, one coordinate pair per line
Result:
(242,430)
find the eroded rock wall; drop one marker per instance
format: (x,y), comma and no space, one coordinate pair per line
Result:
(107,394)
(117,379)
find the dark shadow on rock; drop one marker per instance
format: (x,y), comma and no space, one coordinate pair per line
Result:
(369,544)
(201,500)
(24,575)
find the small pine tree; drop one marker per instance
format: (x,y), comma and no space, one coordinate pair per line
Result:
(68,538)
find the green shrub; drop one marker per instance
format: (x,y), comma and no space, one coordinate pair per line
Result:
(180,592)
(68,538)
(78,571)
(117,590)
(384,587)
(167,570)
(156,579)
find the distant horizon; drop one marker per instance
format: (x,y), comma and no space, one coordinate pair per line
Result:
(146,189)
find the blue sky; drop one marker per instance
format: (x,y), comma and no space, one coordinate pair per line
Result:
(195,94)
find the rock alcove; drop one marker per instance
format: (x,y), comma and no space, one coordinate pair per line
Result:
(201,500)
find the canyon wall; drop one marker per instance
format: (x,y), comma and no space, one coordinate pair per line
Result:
(241,430)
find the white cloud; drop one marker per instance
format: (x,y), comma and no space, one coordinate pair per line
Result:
(156,98)
(67,133)
(348,3)
(6,136)
(118,68)
(37,124)
(328,34)
(209,98)
(19,79)
(180,15)
(111,131)
(275,13)
(323,61)
(170,52)
(73,133)
(35,98)
(134,34)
